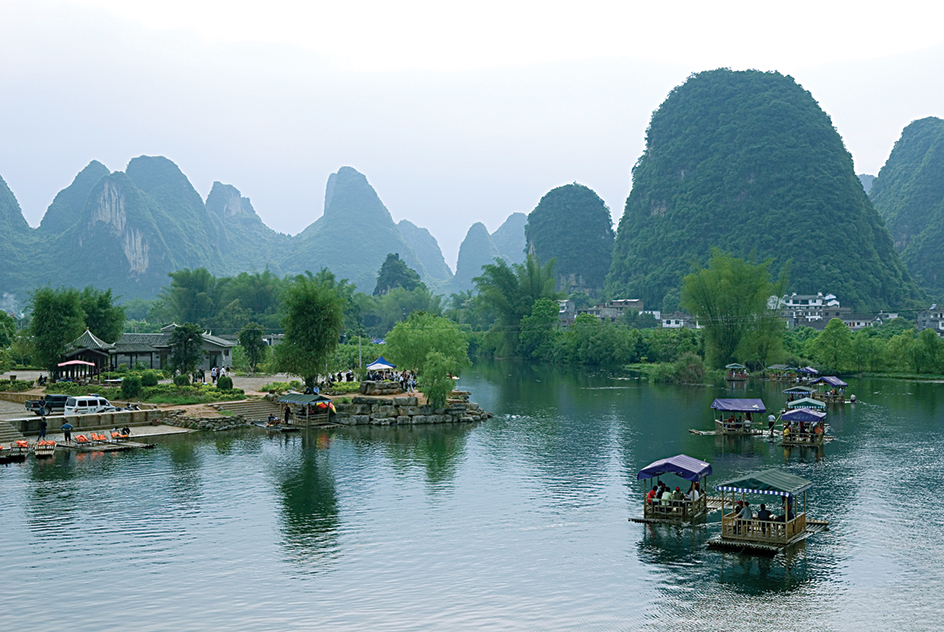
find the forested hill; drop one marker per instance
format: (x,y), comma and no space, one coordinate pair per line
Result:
(748,162)
(572,225)
(909,195)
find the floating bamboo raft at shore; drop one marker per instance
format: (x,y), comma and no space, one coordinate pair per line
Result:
(123,446)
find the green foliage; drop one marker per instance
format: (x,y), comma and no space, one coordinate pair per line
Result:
(21,351)
(57,319)
(381,313)
(395,273)
(186,344)
(250,339)
(7,330)
(434,380)
(928,352)
(573,225)
(730,299)
(539,330)
(744,161)
(181,380)
(282,387)
(16,386)
(909,195)
(833,346)
(225,383)
(312,314)
(411,342)
(131,386)
(103,318)
(341,388)
(688,369)
(149,378)
(509,292)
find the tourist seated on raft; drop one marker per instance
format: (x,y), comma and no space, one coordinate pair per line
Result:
(764,517)
(694,492)
(653,494)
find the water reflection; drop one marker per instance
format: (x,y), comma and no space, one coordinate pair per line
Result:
(438,449)
(310,506)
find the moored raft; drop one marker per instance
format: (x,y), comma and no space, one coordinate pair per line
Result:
(741,420)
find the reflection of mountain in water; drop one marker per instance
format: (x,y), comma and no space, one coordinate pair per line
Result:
(309,505)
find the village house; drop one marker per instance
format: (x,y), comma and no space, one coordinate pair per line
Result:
(679,320)
(153,350)
(932,318)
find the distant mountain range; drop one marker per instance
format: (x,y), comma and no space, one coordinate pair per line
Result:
(127,230)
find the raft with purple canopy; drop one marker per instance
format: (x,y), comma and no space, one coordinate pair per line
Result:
(693,506)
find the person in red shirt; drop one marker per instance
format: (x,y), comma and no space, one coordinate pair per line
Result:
(652,494)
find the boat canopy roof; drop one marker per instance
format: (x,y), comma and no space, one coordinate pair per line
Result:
(804,415)
(832,380)
(808,370)
(685,466)
(734,365)
(301,398)
(781,367)
(774,482)
(807,402)
(739,405)
(799,390)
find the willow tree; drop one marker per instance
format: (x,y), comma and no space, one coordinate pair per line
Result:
(735,302)
(312,317)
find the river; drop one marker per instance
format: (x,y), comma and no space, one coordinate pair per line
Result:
(517,523)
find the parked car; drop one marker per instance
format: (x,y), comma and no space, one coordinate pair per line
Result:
(50,404)
(87,405)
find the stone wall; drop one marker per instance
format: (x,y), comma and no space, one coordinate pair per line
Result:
(119,419)
(405,411)
(381,389)
(180,419)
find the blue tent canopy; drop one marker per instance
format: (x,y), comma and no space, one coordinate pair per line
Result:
(832,380)
(804,414)
(685,466)
(380,364)
(808,370)
(739,405)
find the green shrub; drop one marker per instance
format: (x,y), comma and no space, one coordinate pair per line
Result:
(16,386)
(131,386)
(182,380)
(122,368)
(150,378)
(224,383)
(341,388)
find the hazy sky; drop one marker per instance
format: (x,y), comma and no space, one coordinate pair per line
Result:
(456,113)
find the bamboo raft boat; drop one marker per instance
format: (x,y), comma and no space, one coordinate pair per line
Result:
(690,509)
(747,533)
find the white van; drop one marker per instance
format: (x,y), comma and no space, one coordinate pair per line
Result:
(87,404)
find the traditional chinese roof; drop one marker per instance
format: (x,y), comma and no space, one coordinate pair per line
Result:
(88,340)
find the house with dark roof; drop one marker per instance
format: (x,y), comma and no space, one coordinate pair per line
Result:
(154,350)
(151,349)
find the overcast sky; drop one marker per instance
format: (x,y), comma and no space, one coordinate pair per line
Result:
(455,113)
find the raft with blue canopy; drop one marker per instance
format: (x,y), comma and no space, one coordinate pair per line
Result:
(694,506)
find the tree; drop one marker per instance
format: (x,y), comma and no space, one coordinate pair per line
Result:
(435,381)
(57,319)
(250,339)
(411,341)
(731,298)
(7,330)
(103,318)
(928,352)
(186,344)
(395,273)
(192,296)
(867,350)
(312,316)
(509,292)
(539,329)
(833,346)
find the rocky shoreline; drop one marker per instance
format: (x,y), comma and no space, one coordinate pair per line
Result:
(384,411)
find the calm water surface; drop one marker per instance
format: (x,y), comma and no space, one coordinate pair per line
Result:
(516,523)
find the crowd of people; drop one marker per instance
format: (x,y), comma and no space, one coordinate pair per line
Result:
(664,497)
(765,520)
